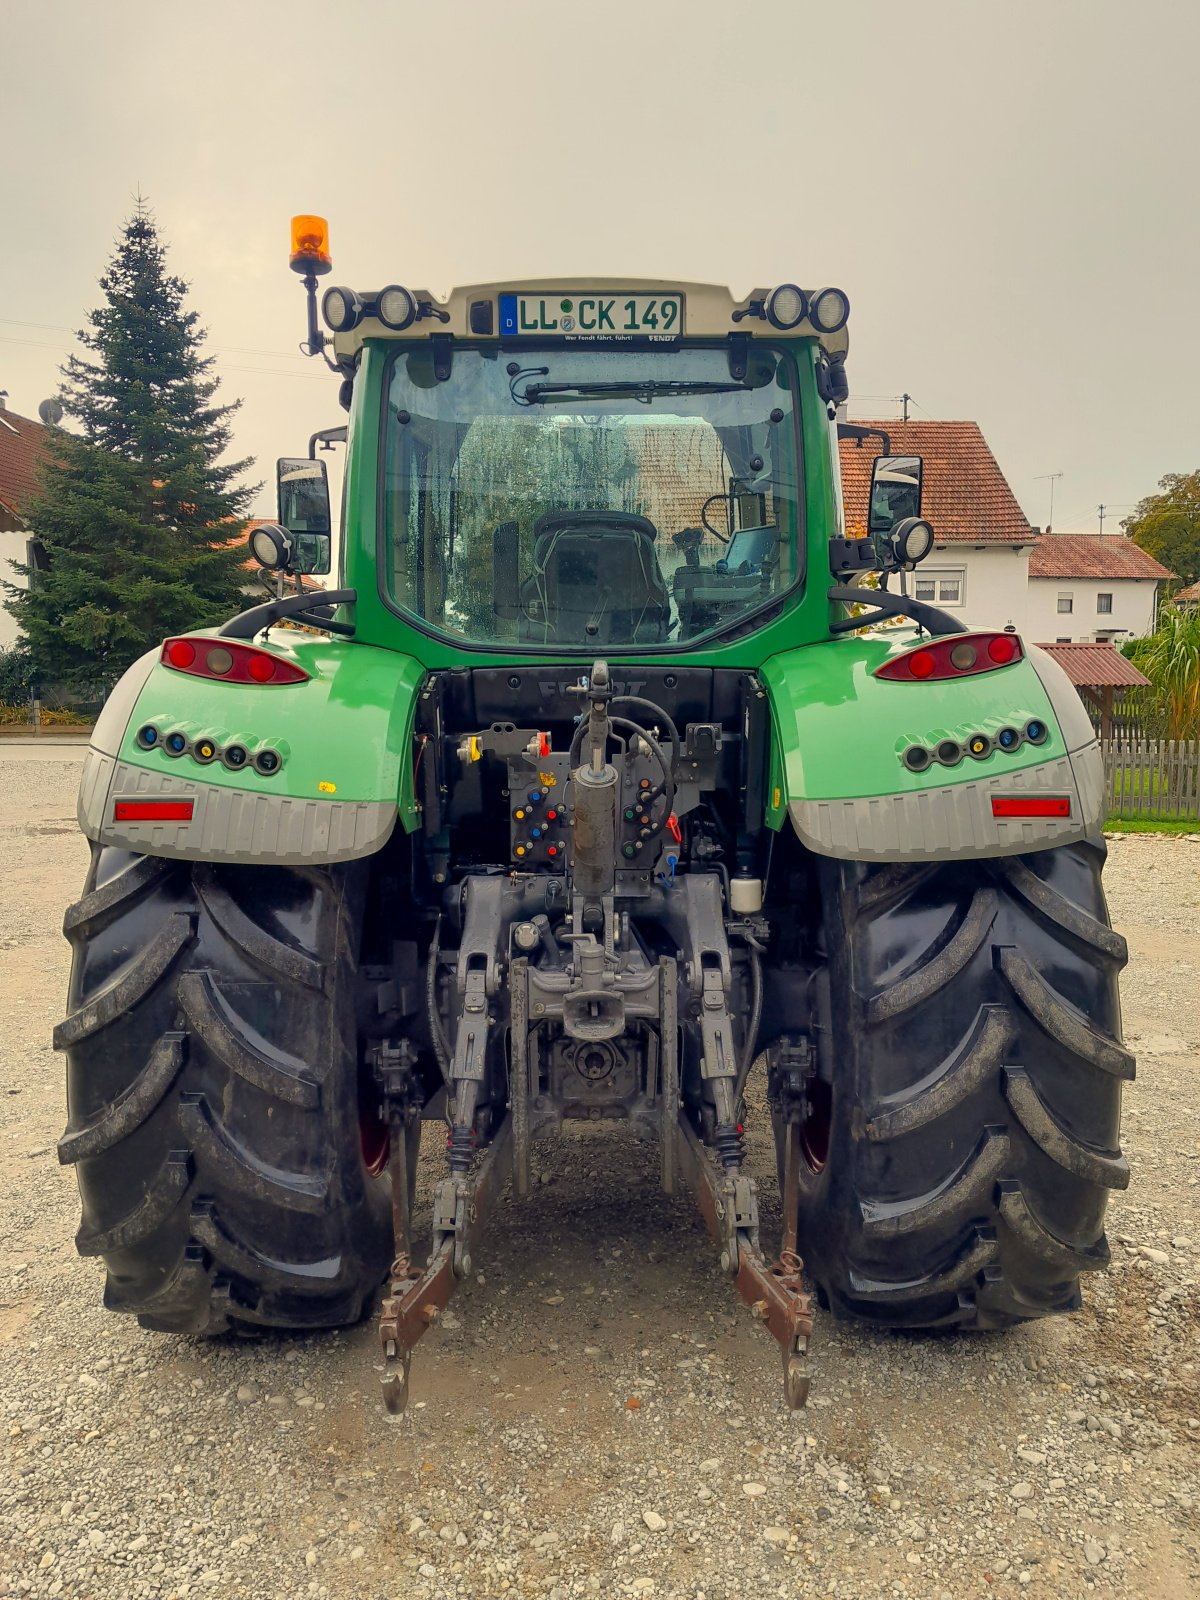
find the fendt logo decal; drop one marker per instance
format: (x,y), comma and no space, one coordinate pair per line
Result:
(558,688)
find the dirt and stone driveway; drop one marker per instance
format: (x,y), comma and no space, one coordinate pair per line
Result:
(597,1416)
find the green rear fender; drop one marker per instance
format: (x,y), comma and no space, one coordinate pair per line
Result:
(343,739)
(840,734)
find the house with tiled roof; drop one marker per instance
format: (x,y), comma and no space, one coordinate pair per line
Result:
(1088,586)
(24,445)
(1187,599)
(979,567)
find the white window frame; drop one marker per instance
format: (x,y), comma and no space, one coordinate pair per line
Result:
(938,576)
(1104,594)
(1066,604)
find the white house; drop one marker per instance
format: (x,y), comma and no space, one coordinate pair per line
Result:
(1086,586)
(979,567)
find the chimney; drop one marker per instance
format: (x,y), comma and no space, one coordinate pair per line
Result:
(3,399)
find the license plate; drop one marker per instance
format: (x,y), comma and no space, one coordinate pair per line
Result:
(592,315)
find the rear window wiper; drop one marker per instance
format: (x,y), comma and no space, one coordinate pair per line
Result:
(644,390)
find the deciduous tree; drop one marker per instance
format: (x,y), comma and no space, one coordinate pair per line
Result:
(1167,525)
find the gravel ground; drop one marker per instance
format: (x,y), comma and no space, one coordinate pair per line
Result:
(597,1415)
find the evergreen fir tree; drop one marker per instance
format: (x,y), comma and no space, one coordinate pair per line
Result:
(136,512)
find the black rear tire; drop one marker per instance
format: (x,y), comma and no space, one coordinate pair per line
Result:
(213,1094)
(958,1165)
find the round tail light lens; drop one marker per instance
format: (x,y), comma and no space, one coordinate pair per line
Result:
(1002,649)
(181,653)
(261,669)
(921,664)
(963,657)
(219,660)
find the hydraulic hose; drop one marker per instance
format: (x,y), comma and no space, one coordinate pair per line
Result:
(648,705)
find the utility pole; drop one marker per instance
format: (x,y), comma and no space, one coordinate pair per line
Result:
(1053,477)
(905,398)
(1101,510)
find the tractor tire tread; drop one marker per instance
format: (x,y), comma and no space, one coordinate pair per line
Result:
(213,1095)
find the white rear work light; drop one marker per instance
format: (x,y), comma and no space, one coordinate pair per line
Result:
(829,311)
(271,547)
(786,306)
(342,309)
(395,307)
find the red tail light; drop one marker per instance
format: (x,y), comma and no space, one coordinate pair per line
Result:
(153,810)
(960,656)
(225,660)
(1040,805)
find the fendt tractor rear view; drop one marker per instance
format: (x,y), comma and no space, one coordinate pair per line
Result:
(607,780)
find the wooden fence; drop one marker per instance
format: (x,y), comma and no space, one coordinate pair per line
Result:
(1153,778)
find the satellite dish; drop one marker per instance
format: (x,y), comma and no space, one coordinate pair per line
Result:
(51,412)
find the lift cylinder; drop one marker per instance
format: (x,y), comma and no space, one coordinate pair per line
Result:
(594,830)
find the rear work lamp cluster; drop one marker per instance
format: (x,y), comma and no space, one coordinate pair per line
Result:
(949,752)
(827,309)
(206,750)
(224,660)
(394,306)
(961,655)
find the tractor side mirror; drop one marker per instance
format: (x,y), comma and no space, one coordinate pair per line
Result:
(304,512)
(895,492)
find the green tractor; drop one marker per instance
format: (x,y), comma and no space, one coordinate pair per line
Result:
(607,778)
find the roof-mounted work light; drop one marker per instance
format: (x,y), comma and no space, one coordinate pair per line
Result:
(787,306)
(342,309)
(829,310)
(395,307)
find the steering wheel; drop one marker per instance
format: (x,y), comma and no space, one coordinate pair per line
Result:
(708,527)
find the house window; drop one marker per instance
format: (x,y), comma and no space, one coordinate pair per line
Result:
(1063,638)
(1104,604)
(1066,603)
(942,587)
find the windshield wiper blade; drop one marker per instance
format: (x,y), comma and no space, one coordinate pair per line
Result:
(643,390)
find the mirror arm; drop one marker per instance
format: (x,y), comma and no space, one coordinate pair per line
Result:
(852,430)
(328,437)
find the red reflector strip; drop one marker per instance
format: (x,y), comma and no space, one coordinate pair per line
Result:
(1041,805)
(153,810)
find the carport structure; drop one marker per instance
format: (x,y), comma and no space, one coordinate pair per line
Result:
(1097,670)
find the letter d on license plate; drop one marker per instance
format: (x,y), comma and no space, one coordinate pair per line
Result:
(591,314)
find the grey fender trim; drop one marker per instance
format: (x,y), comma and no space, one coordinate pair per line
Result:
(121,703)
(1073,720)
(228,824)
(955,820)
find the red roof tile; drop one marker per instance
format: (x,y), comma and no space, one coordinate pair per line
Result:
(1095,666)
(1092,555)
(964,493)
(1190,595)
(24,444)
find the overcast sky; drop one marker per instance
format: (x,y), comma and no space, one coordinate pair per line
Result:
(1009,193)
